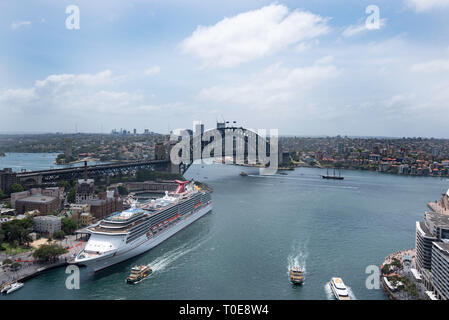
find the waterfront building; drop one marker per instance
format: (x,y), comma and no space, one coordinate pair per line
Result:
(440,269)
(18,195)
(45,204)
(7,179)
(85,219)
(80,207)
(107,203)
(432,244)
(47,224)
(85,191)
(424,240)
(76,209)
(151,186)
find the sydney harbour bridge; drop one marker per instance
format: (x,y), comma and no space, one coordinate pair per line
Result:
(227,144)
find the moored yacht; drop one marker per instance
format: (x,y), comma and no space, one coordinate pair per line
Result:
(339,289)
(15,286)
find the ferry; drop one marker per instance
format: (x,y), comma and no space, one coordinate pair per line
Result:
(138,273)
(296,275)
(15,286)
(339,289)
(131,232)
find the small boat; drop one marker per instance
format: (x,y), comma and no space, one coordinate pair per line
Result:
(138,273)
(5,287)
(339,289)
(296,275)
(15,286)
(243,174)
(283,173)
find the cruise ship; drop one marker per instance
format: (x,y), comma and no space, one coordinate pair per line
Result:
(126,234)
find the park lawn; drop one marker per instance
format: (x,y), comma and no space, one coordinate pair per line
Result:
(12,251)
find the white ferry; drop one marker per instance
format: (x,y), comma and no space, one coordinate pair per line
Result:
(339,289)
(126,234)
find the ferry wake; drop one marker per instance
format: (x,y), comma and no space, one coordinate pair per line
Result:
(126,234)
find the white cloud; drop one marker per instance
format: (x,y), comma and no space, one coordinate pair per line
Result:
(253,34)
(426,5)
(439,65)
(17,24)
(274,87)
(152,70)
(64,80)
(353,30)
(68,94)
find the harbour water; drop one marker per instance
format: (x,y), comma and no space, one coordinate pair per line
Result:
(261,225)
(34,161)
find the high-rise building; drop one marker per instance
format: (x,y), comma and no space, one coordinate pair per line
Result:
(7,179)
(160,151)
(440,269)
(85,189)
(68,148)
(432,253)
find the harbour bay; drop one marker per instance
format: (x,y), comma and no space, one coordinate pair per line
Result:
(258,227)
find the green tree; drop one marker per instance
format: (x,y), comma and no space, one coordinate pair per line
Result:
(16,187)
(122,190)
(72,195)
(60,234)
(2,195)
(64,184)
(17,232)
(68,225)
(48,252)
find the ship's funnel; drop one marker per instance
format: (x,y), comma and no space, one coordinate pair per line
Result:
(181,186)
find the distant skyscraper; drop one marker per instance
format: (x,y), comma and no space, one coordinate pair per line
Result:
(135,131)
(68,148)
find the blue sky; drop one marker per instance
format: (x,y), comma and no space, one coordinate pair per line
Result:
(304,67)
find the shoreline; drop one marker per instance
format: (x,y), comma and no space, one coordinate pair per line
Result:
(376,171)
(88,159)
(32,269)
(403,272)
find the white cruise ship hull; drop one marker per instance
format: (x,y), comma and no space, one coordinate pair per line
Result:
(144,244)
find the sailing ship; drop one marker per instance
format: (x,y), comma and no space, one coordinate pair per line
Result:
(333,177)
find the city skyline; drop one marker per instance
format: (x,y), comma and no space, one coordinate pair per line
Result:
(309,69)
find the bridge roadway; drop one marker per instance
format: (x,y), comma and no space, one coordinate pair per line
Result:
(93,171)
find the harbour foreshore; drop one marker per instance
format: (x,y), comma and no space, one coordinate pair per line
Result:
(407,262)
(30,268)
